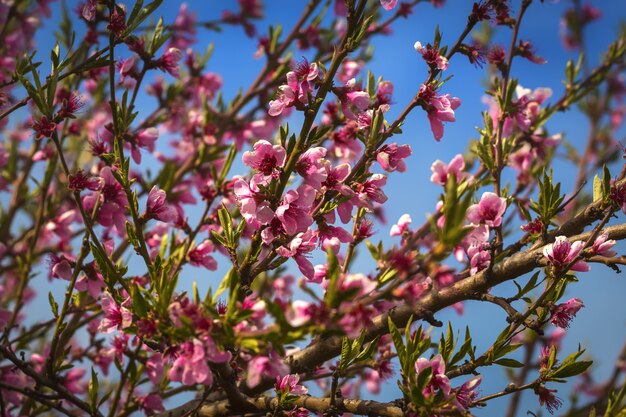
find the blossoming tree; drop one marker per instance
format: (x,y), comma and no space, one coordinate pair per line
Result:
(94,196)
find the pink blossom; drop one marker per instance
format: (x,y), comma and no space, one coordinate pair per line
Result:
(91,281)
(266,158)
(184,29)
(299,313)
(562,252)
(335,179)
(12,376)
(299,246)
(479,258)
(113,202)
(440,109)
(289,385)
(44,128)
(466,393)
(73,383)
(82,180)
(311,166)
(191,367)
(169,62)
(144,139)
(253,204)
(359,282)
(151,404)
(158,208)
(547,398)
(299,85)
(402,226)
(441,171)
(284,98)
(260,367)
(432,55)
(89,10)
(114,316)
(199,256)
(489,210)
(602,246)
(294,209)
(332,237)
(563,314)
(60,267)
(350,69)
(439,380)
(155,368)
(391,157)
(388,4)
(353,100)
(371,190)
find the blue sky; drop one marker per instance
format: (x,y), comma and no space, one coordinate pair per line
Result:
(412,192)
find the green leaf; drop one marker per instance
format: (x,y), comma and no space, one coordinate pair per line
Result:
(140,306)
(53,305)
(345,353)
(597,188)
(397,340)
(571,369)
(93,390)
(509,363)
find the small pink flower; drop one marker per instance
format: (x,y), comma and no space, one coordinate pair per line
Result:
(169,62)
(253,203)
(432,56)
(388,4)
(311,166)
(439,380)
(158,208)
(199,256)
(602,246)
(151,404)
(299,246)
(266,158)
(562,252)
(402,226)
(332,237)
(91,281)
(44,128)
(440,109)
(360,282)
(294,209)
(441,171)
(466,393)
(563,314)
(391,157)
(489,210)
(82,180)
(60,267)
(191,366)
(335,179)
(114,316)
(299,313)
(548,399)
(261,367)
(479,258)
(289,385)
(353,100)
(89,10)
(285,98)
(73,383)
(371,190)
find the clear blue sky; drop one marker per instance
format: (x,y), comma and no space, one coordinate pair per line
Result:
(411,192)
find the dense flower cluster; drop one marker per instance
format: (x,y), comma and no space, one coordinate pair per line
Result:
(121,198)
